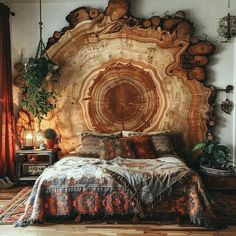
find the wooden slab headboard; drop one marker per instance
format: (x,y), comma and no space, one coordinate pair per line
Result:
(119,72)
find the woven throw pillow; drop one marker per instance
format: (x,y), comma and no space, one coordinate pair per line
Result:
(142,146)
(90,143)
(80,134)
(112,148)
(162,144)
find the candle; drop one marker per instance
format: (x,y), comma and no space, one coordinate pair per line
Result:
(29,140)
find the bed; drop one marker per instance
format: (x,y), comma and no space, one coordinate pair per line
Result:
(152,187)
(119,72)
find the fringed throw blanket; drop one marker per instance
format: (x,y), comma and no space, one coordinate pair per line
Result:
(87,186)
(147,180)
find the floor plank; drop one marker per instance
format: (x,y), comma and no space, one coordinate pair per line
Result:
(103,229)
(110,230)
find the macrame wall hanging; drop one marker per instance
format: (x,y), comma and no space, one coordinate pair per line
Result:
(225,99)
(227,26)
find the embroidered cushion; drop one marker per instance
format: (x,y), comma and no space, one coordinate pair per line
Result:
(112,148)
(162,144)
(90,143)
(142,146)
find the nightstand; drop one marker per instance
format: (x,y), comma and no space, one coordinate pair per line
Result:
(31,163)
(217,182)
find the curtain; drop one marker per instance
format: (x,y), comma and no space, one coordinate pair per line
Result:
(7,124)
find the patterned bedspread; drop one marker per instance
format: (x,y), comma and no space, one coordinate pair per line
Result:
(87,186)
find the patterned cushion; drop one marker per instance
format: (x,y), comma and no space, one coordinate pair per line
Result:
(142,146)
(80,134)
(90,143)
(162,144)
(112,148)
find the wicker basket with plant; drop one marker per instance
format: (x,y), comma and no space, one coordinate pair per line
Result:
(215,158)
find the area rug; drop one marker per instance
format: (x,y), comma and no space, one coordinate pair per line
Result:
(224,205)
(12,211)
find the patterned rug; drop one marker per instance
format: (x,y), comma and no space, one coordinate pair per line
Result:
(224,205)
(12,211)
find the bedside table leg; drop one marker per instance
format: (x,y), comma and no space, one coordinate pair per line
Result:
(17,171)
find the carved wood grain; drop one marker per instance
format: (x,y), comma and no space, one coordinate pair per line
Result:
(122,72)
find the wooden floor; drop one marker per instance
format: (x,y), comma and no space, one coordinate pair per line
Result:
(111,230)
(8,194)
(103,229)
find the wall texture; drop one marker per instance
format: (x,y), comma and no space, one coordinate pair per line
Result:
(203,13)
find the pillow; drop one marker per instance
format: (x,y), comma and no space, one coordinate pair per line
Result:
(80,134)
(162,143)
(90,143)
(131,133)
(116,134)
(112,148)
(142,146)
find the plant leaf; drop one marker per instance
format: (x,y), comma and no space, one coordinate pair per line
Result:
(199,146)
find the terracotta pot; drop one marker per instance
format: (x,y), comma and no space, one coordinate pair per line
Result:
(50,143)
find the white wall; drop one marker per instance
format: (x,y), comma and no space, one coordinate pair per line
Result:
(203,13)
(6,2)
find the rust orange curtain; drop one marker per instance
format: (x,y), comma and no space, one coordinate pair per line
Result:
(7,125)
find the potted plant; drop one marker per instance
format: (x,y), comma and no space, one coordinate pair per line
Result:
(38,96)
(215,158)
(50,136)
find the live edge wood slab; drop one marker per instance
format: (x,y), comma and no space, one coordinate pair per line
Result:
(122,72)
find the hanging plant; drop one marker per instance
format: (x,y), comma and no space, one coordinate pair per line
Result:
(38,96)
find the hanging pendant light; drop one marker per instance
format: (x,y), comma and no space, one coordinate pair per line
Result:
(227,26)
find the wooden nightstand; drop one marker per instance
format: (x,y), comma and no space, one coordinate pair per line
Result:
(217,182)
(31,163)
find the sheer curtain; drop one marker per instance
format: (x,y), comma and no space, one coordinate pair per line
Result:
(7,125)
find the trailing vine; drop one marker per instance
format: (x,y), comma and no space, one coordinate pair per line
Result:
(38,96)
